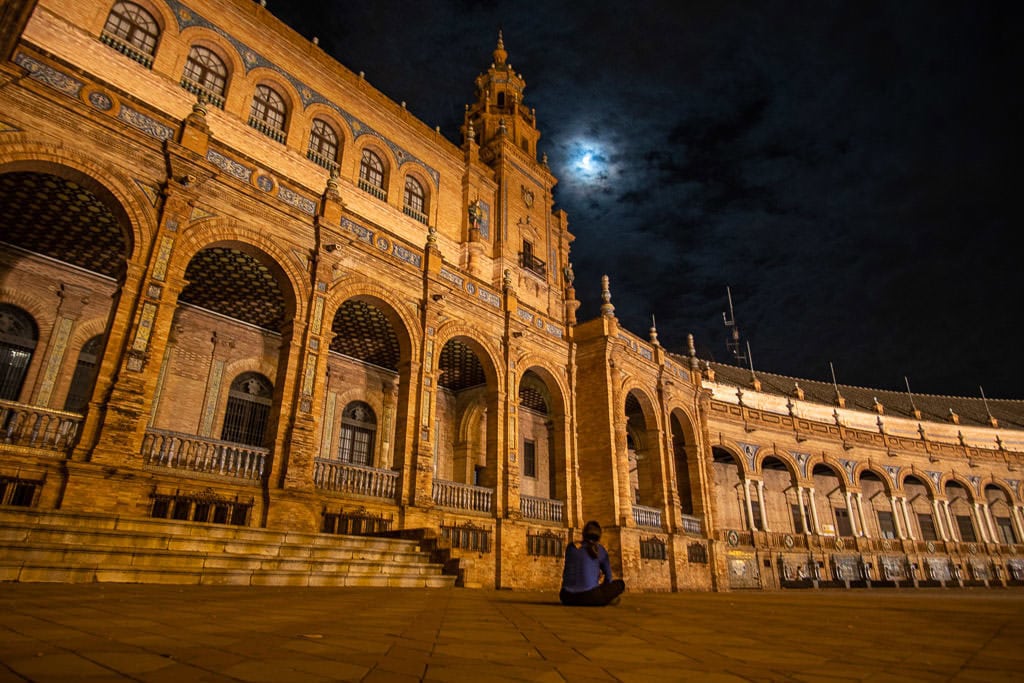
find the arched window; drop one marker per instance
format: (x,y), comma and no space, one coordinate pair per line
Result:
(249,401)
(85,376)
(358,430)
(18,337)
(323,145)
(268,112)
(133,31)
(205,74)
(371,175)
(414,201)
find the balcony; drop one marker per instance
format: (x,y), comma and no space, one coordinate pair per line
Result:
(208,96)
(457,496)
(321,160)
(647,517)
(691,525)
(378,192)
(128,50)
(161,448)
(334,475)
(543,509)
(273,133)
(533,264)
(38,428)
(413,213)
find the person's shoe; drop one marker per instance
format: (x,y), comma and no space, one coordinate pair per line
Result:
(616,600)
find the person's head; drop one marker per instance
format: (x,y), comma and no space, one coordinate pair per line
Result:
(592,532)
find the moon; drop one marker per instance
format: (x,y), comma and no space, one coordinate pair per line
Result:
(588,161)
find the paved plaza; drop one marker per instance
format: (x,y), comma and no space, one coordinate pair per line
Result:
(54,632)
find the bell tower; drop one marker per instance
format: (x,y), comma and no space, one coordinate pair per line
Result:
(499,109)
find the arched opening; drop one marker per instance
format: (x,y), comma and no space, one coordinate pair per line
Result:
(466,423)
(268,113)
(876,508)
(132,30)
(373,175)
(779,509)
(205,75)
(959,504)
(225,364)
(642,443)
(414,199)
(684,451)
(358,434)
(73,236)
(248,410)
(542,447)
(323,144)
(1000,509)
(828,503)
(731,502)
(920,519)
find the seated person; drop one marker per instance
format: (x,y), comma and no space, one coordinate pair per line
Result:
(587,577)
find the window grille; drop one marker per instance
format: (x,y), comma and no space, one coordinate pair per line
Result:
(530,262)
(205,506)
(20,492)
(248,409)
(653,549)
(371,175)
(356,522)
(548,544)
(697,553)
(18,337)
(414,201)
(268,114)
(323,145)
(467,537)
(358,432)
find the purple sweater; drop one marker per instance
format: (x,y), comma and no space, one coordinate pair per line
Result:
(583,572)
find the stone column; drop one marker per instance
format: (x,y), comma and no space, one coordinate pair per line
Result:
(814,511)
(1015,515)
(896,517)
(939,524)
(954,531)
(979,522)
(906,518)
(803,513)
(764,508)
(750,510)
(849,513)
(860,513)
(993,531)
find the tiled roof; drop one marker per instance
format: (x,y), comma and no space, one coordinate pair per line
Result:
(972,412)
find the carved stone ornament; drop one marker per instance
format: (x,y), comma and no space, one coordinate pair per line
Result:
(528,197)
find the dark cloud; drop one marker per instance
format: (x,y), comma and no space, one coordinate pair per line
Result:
(850,169)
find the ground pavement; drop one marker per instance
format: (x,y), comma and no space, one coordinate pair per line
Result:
(98,632)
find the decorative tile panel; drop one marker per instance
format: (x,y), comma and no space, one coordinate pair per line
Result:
(403,254)
(361,233)
(490,298)
(145,327)
(163,256)
(229,166)
(47,75)
(801,459)
(57,349)
(303,204)
(452,277)
(750,454)
(212,392)
(147,125)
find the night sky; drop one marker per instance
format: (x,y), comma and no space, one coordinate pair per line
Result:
(850,169)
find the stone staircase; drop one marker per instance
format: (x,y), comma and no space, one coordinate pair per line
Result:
(54,546)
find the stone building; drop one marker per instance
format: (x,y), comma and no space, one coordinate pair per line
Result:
(239,287)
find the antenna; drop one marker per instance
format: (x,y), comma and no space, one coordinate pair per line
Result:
(917,413)
(991,420)
(733,343)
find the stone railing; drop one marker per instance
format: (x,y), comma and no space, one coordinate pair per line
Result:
(130,51)
(268,130)
(377,192)
(36,427)
(648,517)
(335,475)
(207,95)
(321,160)
(691,524)
(163,448)
(413,213)
(545,509)
(451,494)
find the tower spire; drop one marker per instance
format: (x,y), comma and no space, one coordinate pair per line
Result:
(500,56)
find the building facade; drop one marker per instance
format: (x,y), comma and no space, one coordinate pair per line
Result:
(239,286)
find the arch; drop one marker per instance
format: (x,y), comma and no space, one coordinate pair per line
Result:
(648,406)
(248,410)
(374,172)
(121,195)
(136,26)
(269,108)
(84,377)
(19,339)
(416,195)
(549,375)
(963,482)
(212,43)
(485,351)
(1000,484)
(369,143)
(725,453)
(881,475)
(324,142)
(787,462)
(686,459)
(832,464)
(358,434)
(403,321)
(225,232)
(926,482)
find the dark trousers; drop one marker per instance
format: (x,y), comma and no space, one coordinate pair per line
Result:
(595,597)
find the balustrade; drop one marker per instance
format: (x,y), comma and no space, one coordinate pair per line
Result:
(451,494)
(691,524)
(162,448)
(37,427)
(648,517)
(546,509)
(335,475)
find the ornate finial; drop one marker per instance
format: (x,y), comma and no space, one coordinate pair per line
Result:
(544,160)
(691,348)
(607,309)
(879,408)
(953,417)
(506,280)
(431,236)
(500,56)
(797,391)
(654,332)
(501,127)
(199,107)
(470,131)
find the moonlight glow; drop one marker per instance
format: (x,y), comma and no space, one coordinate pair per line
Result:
(588,161)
